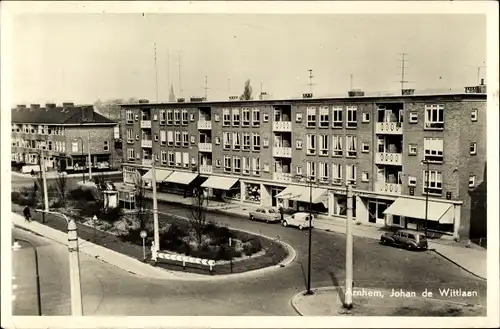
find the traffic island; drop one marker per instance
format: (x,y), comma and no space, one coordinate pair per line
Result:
(328,301)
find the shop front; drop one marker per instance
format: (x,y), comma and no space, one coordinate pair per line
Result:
(252,192)
(300,198)
(160,175)
(222,187)
(179,182)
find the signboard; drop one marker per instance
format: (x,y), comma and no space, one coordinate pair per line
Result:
(144,234)
(187,259)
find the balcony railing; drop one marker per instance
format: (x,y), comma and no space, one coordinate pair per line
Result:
(205,147)
(284,152)
(389,158)
(205,169)
(205,124)
(389,188)
(147,162)
(390,128)
(282,126)
(282,177)
(146,143)
(145,124)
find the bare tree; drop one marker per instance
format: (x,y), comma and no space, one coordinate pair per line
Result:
(102,200)
(140,200)
(197,213)
(247,93)
(62,188)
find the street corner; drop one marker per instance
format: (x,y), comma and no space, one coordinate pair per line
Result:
(329,301)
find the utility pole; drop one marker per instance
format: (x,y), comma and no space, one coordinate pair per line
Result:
(155,209)
(180,75)
(206,87)
(90,159)
(156,72)
(74,269)
(310,81)
(44,187)
(309,291)
(348,255)
(403,68)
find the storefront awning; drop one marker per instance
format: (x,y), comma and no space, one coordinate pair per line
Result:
(220,183)
(161,174)
(437,211)
(180,177)
(317,195)
(289,192)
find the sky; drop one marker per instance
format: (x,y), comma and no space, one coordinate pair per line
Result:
(84,57)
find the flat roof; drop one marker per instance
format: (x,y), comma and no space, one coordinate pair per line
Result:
(360,99)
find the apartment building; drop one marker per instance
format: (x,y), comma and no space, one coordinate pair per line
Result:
(64,135)
(274,152)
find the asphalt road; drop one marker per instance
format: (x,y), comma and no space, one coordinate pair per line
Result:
(112,291)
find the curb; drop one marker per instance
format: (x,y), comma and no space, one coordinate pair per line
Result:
(455,263)
(296,308)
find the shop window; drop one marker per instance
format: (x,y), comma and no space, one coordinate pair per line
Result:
(252,192)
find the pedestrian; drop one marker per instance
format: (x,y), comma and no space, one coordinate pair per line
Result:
(27,213)
(281,210)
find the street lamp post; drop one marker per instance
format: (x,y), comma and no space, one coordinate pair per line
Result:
(349,251)
(427,174)
(38,291)
(309,291)
(83,157)
(44,182)
(74,265)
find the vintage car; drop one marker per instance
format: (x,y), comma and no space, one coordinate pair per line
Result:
(409,239)
(268,215)
(299,219)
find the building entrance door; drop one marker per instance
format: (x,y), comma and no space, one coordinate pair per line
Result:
(372,212)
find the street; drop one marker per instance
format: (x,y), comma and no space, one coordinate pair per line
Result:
(108,290)
(18,181)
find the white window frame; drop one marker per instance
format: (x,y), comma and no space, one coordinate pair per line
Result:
(337,117)
(413,117)
(246,165)
(227,163)
(412,149)
(473,148)
(246,141)
(298,144)
(432,113)
(352,117)
(185,159)
(365,176)
(163,117)
(256,142)
(337,146)
(129,116)
(298,170)
(191,117)
(185,138)
(311,169)
(472,181)
(170,117)
(366,117)
(412,181)
(311,116)
(226,117)
(131,154)
(324,171)
(351,174)
(255,117)
(324,142)
(236,141)
(217,140)
(324,117)
(265,117)
(365,147)
(236,117)
(177,117)
(435,182)
(256,166)
(178,159)
(171,158)
(184,117)
(170,137)
(130,135)
(298,117)
(236,164)
(433,150)
(351,146)
(106,146)
(178,138)
(226,140)
(474,115)
(311,144)
(164,158)
(245,117)
(193,139)
(217,163)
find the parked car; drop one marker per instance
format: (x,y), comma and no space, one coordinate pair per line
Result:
(268,215)
(409,239)
(299,219)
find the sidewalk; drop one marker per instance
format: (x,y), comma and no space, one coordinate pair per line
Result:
(54,174)
(472,260)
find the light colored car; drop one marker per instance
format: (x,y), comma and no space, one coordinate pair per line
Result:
(299,219)
(268,215)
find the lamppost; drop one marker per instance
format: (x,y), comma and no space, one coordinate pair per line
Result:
(83,157)
(74,265)
(427,178)
(17,246)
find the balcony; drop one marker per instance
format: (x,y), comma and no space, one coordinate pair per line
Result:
(203,124)
(384,158)
(388,188)
(205,169)
(282,177)
(283,152)
(147,162)
(389,128)
(205,147)
(145,124)
(282,126)
(146,143)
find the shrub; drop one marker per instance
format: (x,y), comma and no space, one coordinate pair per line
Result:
(133,235)
(57,204)
(81,194)
(252,246)
(14,196)
(112,215)
(221,235)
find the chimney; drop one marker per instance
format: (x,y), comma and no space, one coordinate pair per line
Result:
(307,95)
(21,106)
(87,113)
(181,100)
(68,104)
(233,98)
(482,82)
(356,93)
(407,92)
(143,101)
(50,105)
(34,106)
